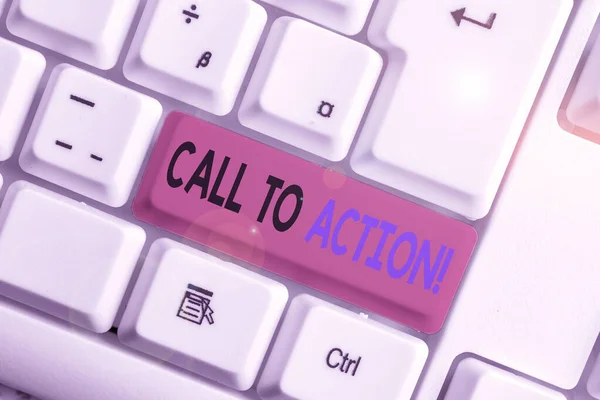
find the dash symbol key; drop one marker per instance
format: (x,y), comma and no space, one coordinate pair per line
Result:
(106,149)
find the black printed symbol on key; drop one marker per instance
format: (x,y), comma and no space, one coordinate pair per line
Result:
(63,145)
(195,306)
(190,14)
(459,17)
(325,109)
(204,60)
(95,157)
(82,101)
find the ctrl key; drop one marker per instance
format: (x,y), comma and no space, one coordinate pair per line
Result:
(324,352)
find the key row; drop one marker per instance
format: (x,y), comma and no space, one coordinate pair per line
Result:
(191,310)
(188,308)
(80,355)
(442,97)
(95,32)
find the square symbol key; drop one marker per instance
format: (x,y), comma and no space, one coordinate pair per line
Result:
(90,135)
(310,88)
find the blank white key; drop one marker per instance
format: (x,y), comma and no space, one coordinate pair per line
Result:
(90,31)
(53,361)
(476,380)
(65,258)
(90,135)
(203,314)
(456,94)
(20,72)
(324,352)
(310,88)
(583,109)
(346,16)
(196,51)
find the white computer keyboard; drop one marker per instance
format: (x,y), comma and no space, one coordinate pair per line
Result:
(280,199)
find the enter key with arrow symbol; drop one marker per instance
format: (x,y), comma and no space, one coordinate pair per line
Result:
(459,17)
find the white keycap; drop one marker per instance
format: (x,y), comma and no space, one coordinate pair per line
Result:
(310,88)
(583,109)
(346,16)
(90,135)
(455,98)
(196,51)
(324,352)
(20,72)
(593,384)
(90,31)
(475,380)
(65,258)
(1,6)
(203,314)
(53,361)
(528,300)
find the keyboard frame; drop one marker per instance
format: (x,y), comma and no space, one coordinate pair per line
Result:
(11,171)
